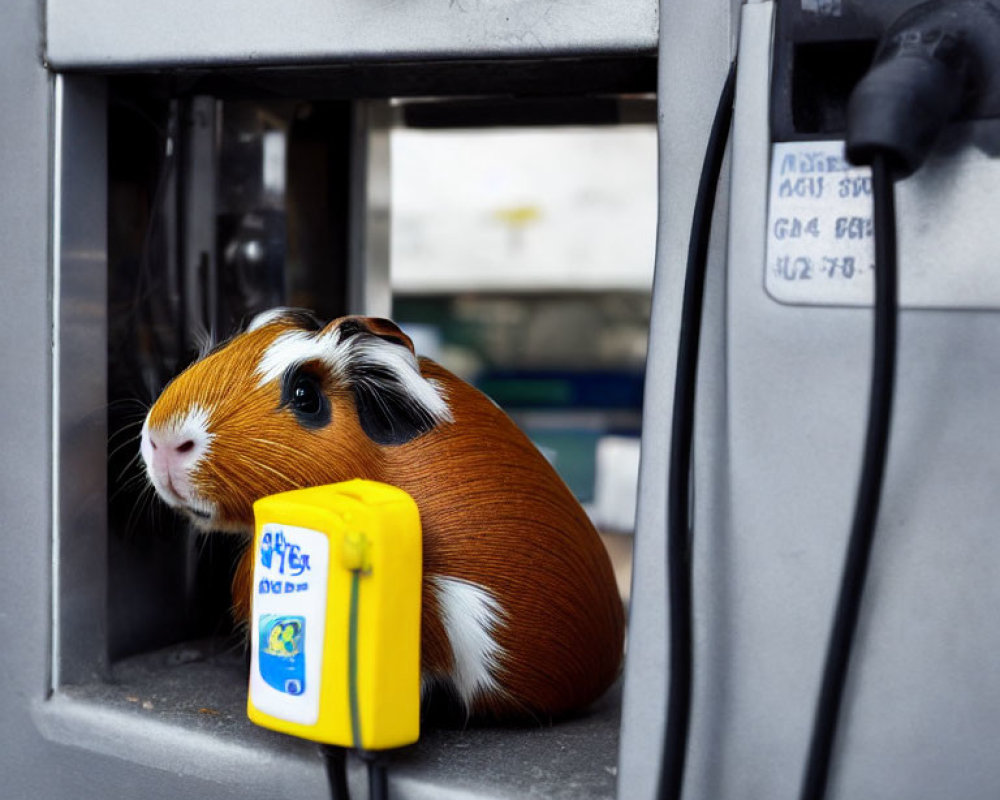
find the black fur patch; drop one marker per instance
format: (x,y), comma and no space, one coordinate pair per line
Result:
(387,414)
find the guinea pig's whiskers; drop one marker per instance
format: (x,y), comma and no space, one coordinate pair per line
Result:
(127,401)
(142,505)
(132,463)
(383,404)
(269,443)
(257,465)
(202,543)
(130,441)
(133,482)
(228,485)
(240,640)
(126,427)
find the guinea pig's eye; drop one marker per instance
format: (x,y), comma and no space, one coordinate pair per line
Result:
(302,392)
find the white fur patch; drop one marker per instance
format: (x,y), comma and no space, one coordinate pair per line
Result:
(297,346)
(176,486)
(194,426)
(267,317)
(470,615)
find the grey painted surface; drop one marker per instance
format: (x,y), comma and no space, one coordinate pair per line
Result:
(80,369)
(775,488)
(182,710)
(369,290)
(109,33)
(573,759)
(25,331)
(179,716)
(922,710)
(696,46)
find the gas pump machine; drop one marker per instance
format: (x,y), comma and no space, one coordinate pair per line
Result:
(830,568)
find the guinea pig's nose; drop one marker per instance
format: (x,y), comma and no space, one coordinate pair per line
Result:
(172,446)
(183,447)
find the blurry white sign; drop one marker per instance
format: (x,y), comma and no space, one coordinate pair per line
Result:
(523,209)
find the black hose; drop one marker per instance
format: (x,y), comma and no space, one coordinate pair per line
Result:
(859,545)
(378,781)
(682,433)
(336,771)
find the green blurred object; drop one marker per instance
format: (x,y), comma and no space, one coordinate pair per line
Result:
(528,392)
(573,452)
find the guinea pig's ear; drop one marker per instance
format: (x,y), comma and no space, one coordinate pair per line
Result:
(384,329)
(395,403)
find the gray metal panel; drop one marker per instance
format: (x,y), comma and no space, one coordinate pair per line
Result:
(696,46)
(199,166)
(369,289)
(776,615)
(81,368)
(110,33)
(922,709)
(25,380)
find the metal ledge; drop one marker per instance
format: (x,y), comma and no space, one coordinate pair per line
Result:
(110,34)
(183,710)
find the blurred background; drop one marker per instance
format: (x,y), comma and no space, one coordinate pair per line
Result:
(521,259)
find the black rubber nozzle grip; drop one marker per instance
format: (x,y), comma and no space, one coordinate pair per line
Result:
(899,109)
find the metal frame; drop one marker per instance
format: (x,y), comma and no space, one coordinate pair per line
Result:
(692,70)
(79,240)
(781,415)
(258,32)
(369,289)
(797,380)
(172,722)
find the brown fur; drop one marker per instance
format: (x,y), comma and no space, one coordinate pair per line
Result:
(493,512)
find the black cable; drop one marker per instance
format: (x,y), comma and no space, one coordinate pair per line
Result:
(682,432)
(378,782)
(859,545)
(336,771)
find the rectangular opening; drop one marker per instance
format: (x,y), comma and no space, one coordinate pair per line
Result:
(215,199)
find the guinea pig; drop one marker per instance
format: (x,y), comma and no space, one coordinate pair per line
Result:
(520,611)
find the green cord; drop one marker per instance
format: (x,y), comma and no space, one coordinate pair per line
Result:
(352,658)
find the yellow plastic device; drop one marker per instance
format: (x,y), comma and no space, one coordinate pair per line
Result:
(335,627)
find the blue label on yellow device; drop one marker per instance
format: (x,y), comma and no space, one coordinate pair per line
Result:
(291,565)
(282,658)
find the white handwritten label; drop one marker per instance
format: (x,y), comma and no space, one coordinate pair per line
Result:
(820,245)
